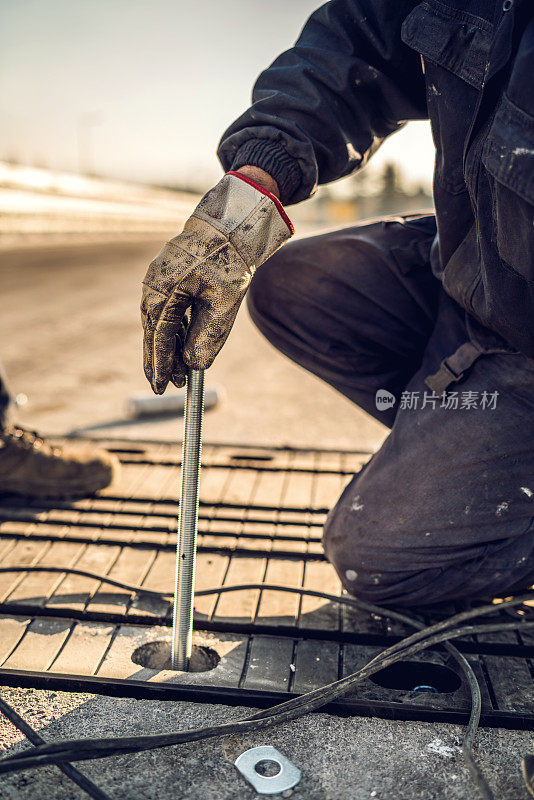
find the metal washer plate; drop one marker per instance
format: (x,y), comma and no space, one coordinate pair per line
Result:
(288,776)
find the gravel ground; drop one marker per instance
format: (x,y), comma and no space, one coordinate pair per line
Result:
(340,757)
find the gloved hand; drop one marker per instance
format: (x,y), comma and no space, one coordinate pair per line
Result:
(207,269)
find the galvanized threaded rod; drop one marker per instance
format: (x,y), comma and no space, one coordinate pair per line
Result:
(184,587)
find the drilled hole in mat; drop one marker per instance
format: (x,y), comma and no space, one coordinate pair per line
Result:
(127,450)
(418,676)
(157,655)
(250,457)
(267,768)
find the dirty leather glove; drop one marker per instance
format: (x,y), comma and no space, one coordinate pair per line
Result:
(206,269)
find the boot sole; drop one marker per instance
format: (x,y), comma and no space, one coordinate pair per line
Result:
(65,493)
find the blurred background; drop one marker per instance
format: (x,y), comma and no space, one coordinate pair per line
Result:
(111,114)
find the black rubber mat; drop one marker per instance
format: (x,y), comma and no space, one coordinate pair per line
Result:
(261,515)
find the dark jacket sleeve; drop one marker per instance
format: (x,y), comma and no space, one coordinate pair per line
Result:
(324,106)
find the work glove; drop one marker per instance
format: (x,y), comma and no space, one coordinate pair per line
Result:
(203,273)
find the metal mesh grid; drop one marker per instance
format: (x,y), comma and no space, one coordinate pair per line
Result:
(261,515)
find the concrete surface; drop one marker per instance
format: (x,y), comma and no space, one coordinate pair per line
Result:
(71,341)
(340,758)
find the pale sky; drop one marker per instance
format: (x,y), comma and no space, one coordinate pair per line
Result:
(155,82)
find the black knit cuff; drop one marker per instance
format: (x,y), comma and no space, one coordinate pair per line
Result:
(275,160)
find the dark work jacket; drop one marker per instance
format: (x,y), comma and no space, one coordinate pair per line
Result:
(361,68)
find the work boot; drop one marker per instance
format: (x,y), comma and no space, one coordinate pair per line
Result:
(30,466)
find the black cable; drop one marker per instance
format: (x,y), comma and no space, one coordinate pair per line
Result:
(71,772)
(472,682)
(343,600)
(85,749)
(349,601)
(130,587)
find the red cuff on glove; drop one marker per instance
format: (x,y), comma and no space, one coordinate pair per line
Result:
(271,196)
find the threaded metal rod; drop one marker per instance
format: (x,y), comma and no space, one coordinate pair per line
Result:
(184,587)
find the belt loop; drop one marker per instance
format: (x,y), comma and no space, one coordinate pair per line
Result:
(453,368)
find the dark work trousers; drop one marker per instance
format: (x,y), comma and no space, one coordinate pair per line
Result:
(5,398)
(445,508)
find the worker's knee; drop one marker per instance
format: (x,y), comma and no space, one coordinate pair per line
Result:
(391,567)
(376,581)
(369,574)
(365,570)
